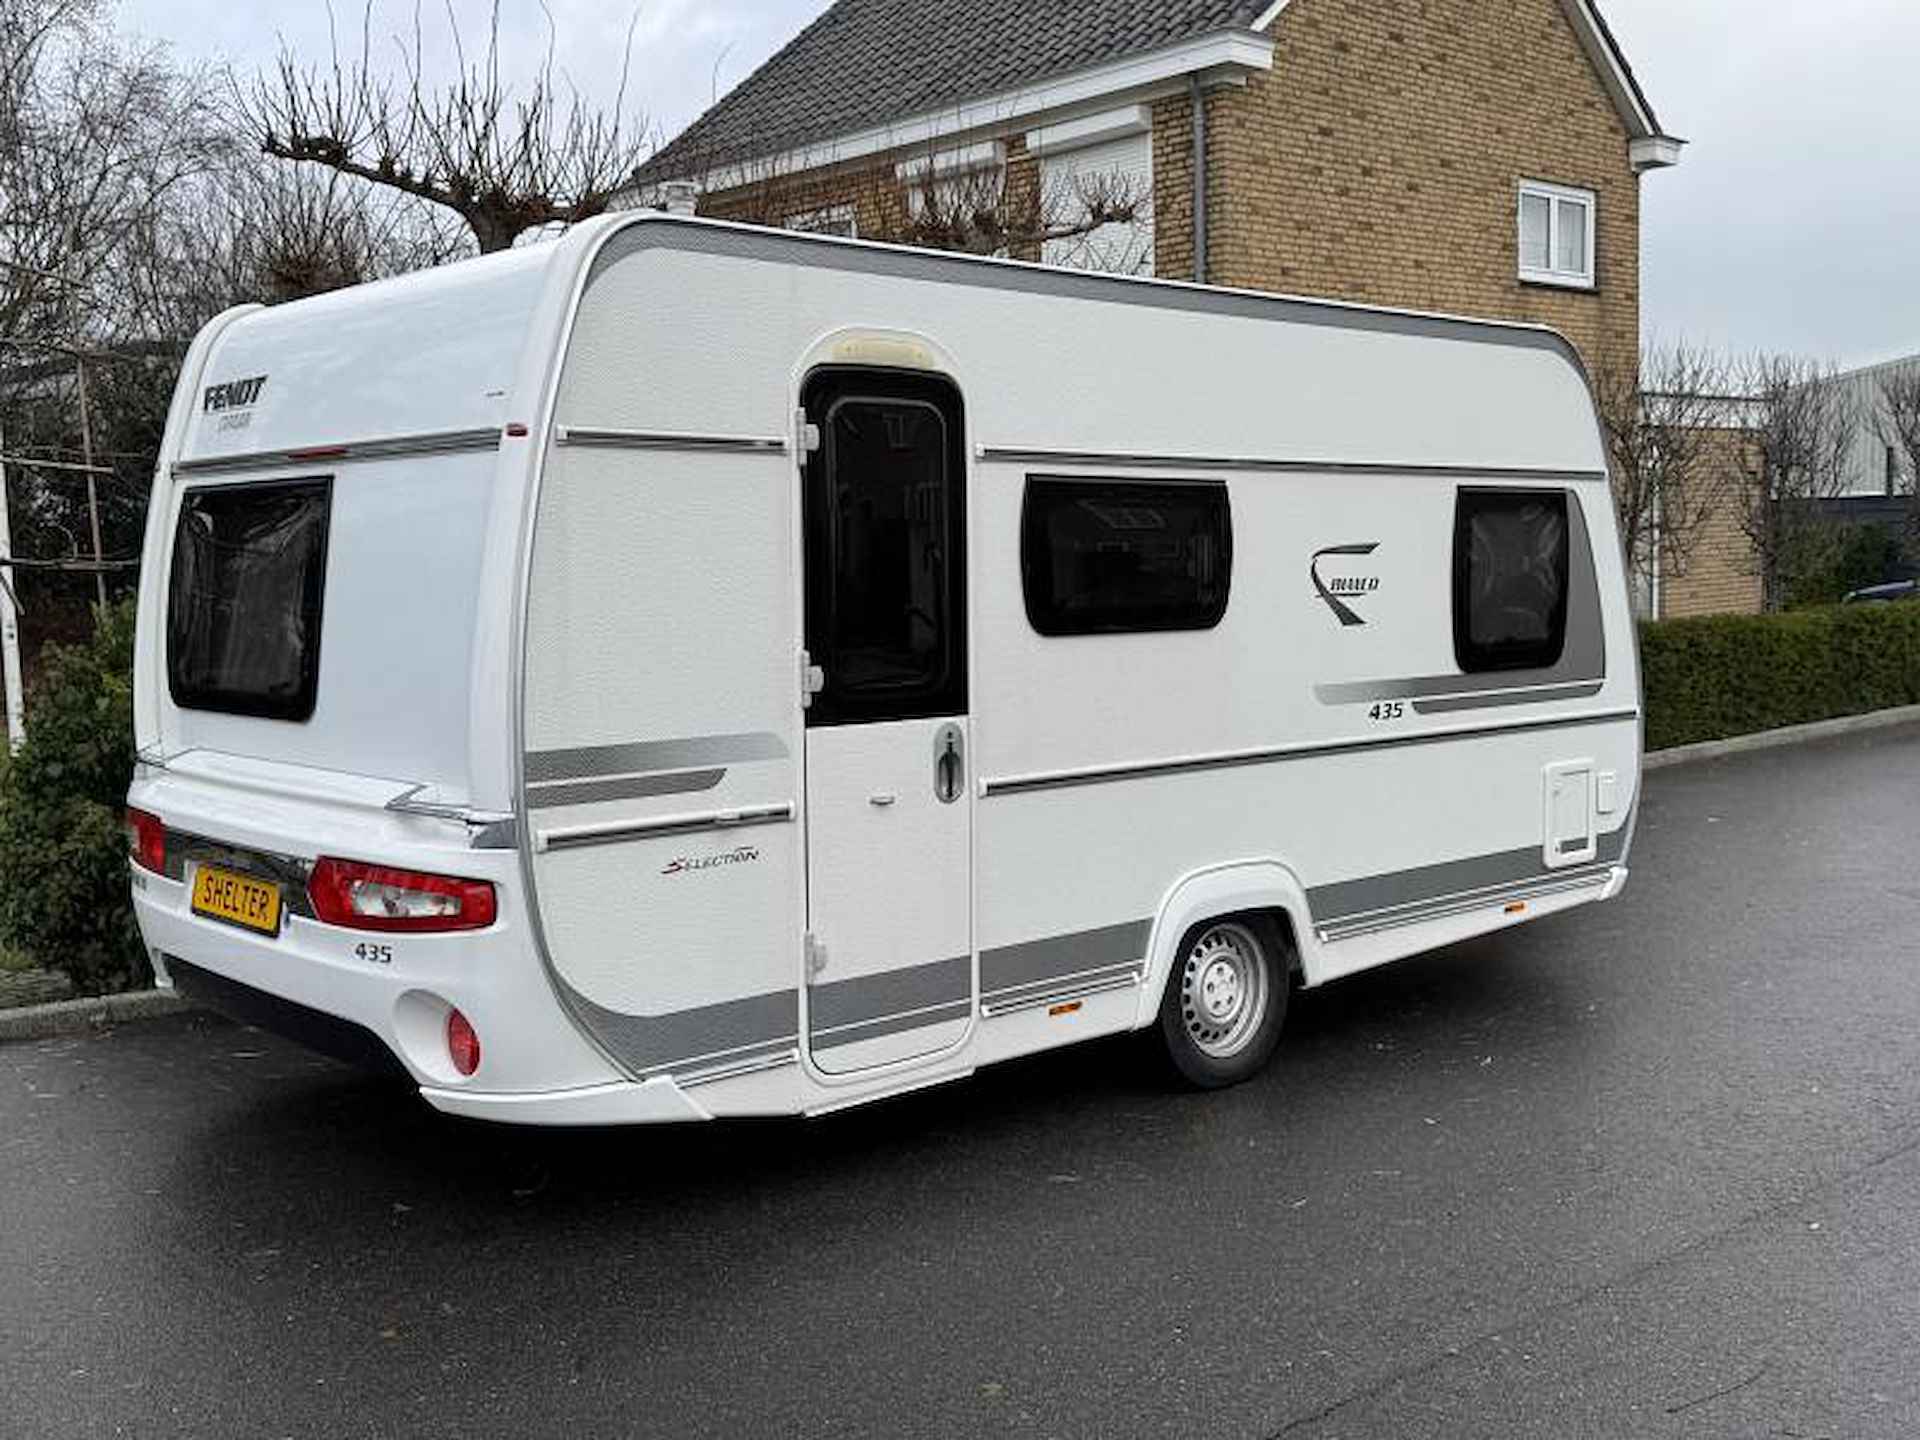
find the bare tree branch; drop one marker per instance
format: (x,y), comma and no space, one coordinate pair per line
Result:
(1898,424)
(1662,421)
(1018,208)
(1801,426)
(504,160)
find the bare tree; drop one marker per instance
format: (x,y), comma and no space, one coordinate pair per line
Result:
(1802,423)
(95,141)
(1663,422)
(505,160)
(1898,423)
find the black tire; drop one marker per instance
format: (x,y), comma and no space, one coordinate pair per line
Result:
(1211,1042)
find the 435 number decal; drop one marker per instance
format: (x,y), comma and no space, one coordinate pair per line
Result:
(1388,710)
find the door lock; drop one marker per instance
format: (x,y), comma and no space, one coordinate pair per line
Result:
(949,763)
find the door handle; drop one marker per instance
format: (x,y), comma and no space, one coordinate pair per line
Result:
(949,764)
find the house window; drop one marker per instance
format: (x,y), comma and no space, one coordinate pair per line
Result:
(244,596)
(830,220)
(1116,175)
(1556,235)
(1114,557)
(1509,579)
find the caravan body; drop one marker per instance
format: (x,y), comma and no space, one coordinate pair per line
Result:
(684,671)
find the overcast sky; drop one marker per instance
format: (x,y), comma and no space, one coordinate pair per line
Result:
(1792,223)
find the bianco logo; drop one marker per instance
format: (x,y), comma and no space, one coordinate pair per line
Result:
(1338,589)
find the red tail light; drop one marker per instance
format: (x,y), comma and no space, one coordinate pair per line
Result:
(463,1043)
(380,897)
(147,841)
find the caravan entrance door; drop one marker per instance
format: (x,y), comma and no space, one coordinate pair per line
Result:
(889,795)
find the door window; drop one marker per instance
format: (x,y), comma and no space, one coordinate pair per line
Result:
(886,529)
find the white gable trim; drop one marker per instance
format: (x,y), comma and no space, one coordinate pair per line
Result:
(1592,34)
(1227,54)
(1271,14)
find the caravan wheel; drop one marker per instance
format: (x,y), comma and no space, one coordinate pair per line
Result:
(1225,1002)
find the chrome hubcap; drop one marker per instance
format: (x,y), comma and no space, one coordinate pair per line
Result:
(1223,990)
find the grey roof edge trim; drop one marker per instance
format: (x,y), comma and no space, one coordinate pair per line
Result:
(640,230)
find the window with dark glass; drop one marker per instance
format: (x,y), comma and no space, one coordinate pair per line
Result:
(244,597)
(1509,579)
(886,619)
(1113,557)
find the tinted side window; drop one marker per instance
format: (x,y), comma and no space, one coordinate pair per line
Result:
(1509,578)
(244,598)
(1110,557)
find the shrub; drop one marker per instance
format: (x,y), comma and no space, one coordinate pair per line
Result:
(1852,557)
(1723,675)
(64,897)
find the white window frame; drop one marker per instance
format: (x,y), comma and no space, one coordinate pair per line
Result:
(816,222)
(1555,196)
(1053,143)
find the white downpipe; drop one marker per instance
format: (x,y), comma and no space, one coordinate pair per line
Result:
(10,624)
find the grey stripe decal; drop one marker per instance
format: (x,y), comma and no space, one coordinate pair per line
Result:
(648,756)
(1010,455)
(867,997)
(759,1025)
(657,232)
(1145,769)
(1450,704)
(546,795)
(1583,658)
(1038,961)
(1349,898)
(1070,980)
(891,1025)
(730,1030)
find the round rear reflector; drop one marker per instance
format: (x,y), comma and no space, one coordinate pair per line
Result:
(463,1044)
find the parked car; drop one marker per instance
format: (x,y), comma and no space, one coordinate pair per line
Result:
(1875,594)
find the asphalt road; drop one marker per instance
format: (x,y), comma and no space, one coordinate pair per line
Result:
(1648,1169)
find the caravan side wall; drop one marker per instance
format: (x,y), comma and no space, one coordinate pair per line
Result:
(1345,773)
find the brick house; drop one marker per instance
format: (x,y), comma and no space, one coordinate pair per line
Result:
(1475,156)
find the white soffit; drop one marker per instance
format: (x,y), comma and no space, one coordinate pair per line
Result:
(1654,152)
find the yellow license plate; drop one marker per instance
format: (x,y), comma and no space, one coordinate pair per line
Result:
(237,899)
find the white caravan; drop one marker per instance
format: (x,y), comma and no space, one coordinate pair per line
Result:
(684,670)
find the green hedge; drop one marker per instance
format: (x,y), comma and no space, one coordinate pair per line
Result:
(64,899)
(1723,675)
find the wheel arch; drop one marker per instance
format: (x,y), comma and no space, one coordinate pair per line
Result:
(1244,887)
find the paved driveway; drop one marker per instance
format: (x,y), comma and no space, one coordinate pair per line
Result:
(1651,1169)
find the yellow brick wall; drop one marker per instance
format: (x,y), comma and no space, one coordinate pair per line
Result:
(1378,162)
(1719,577)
